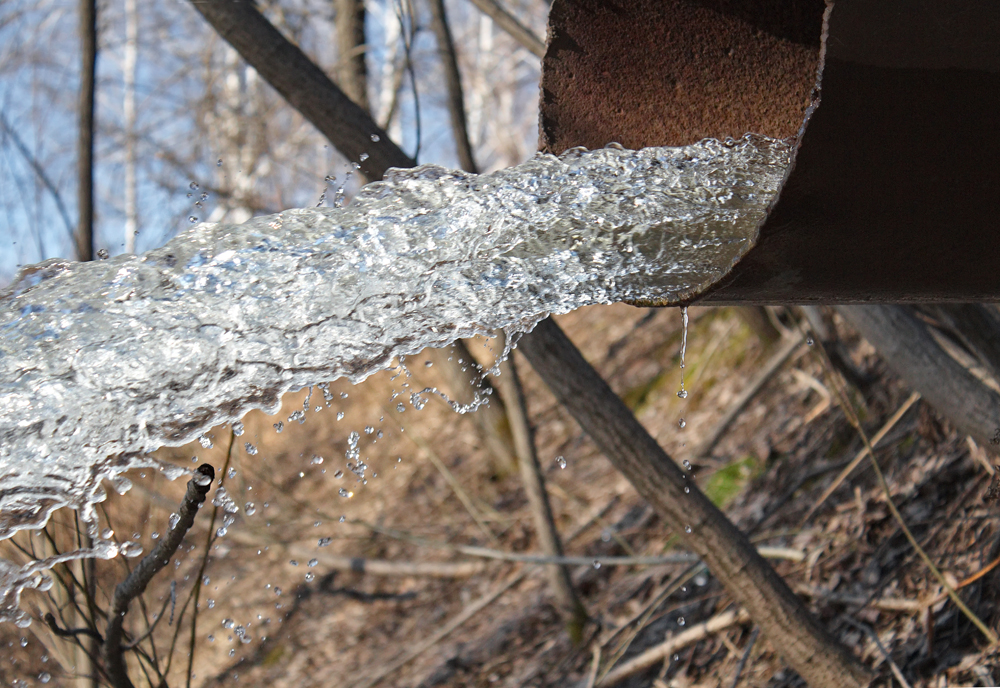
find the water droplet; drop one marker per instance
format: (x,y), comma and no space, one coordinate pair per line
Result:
(681,621)
(683,394)
(338,474)
(677,658)
(228,624)
(561,461)
(293,562)
(251,449)
(238,428)
(686,464)
(279,426)
(687,529)
(400,407)
(250,508)
(218,163)
(206,441)
(206,580)
(102,253)
(363,157)
(312,563)
(310,577)
(687,490)
(343,395)
(193,186)
(809,341)
(375,138)
(323,542)
(231,473)
(340,415)
(597,564)
(344,493)
(682,423)
(192,219)
(130,549)
(316,460)
(174,520)
(44,677)
(107,534)
(369,429)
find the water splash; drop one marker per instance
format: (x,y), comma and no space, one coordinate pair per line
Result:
(102,362)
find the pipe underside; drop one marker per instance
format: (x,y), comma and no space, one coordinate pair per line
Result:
(892,197)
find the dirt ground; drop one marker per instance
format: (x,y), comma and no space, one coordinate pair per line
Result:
(276,607)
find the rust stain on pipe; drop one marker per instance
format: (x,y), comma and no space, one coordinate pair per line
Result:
(892,197)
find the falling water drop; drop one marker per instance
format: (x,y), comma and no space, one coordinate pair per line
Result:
(684,342)
(561,461)
(682,423)
(375,138)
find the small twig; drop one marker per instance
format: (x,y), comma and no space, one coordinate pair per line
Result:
(51,622)
(595,664)
(773,364)
(864,628)
(470,611)
(149,631)
(509,23)
(876,438)
(452,481)
(746,656)
(658,653)
(136,582)
(852,417)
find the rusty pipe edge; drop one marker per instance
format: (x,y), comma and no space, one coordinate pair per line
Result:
(894,105)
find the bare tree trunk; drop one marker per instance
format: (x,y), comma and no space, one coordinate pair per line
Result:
(453,81)
(85,140)
(818,657)
(352,72)
(905,343)
(128,107)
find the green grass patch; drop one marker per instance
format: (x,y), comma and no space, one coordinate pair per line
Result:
(727,482)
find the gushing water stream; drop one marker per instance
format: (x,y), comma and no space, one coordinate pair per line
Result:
(103,362)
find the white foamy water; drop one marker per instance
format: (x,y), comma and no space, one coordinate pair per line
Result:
(101,362)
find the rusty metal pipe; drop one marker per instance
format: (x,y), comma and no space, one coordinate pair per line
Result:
(893,104)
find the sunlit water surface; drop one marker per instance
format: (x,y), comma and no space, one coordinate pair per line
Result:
(103,362)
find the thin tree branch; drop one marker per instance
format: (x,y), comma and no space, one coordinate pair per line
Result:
(136,582)
(39,172)
(304,85)
(453,83)
(509,23)
(658,653)
(85,142)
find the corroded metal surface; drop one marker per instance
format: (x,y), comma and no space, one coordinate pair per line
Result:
(890,197)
